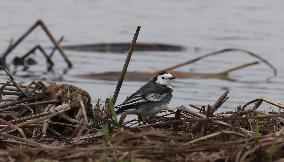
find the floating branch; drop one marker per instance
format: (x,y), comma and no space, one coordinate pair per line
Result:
(145,75)
(21,60)
(257,56)
(54,48)
(41,24)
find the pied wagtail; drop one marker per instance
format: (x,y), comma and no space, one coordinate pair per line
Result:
(150,99)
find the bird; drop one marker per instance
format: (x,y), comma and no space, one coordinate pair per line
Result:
(150,99)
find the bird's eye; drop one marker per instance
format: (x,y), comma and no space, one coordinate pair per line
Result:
(163,77)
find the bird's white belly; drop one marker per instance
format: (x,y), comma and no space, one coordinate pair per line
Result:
(150,111)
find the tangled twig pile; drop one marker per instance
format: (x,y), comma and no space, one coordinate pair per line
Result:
(58,122)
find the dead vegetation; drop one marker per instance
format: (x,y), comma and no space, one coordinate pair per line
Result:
(58,122)
(225,74)
(26,60)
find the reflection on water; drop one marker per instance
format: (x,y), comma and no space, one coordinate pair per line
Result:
(201,26)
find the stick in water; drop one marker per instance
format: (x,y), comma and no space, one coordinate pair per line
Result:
(126,63)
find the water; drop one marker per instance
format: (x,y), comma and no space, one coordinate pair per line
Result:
(200,25)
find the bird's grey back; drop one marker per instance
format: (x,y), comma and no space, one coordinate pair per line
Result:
(156,91)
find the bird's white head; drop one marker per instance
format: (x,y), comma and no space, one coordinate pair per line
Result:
(164,78)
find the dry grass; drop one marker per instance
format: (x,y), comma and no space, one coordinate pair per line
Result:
(58,123)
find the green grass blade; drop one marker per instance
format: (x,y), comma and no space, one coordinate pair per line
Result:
(112,110)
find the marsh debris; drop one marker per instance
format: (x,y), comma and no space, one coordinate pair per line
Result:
(58,122)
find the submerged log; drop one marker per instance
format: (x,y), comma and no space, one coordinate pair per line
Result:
(123,47)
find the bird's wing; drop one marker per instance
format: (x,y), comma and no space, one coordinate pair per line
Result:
(155,97)
(147,93)
(133,100)
(140,99)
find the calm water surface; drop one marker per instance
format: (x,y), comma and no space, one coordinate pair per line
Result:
(200,25)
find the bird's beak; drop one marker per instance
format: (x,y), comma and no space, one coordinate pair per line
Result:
(172,78)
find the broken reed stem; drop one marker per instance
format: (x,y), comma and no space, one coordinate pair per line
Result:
(267,100)
(126,63)
(216,53)
(54,101)
(32,28)
(39,47)
(213,135)
(54,48)
(2,88)
(83,110)
(55,43)
(14,82)
(41,116)
(226,72)
(19,40)
(5,105)
(219,102)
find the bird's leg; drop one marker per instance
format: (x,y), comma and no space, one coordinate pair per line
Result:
(142,118)
(123,116)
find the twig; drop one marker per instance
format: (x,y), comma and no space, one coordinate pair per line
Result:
(55,43)
(15,128)
(194,113)
(2,88)
(120,81)
(267,100)
(14,82)
(226,72)
(213,135)
(39,116)
(54,101)
(4,105)
(58,110)
(5,128)
(63,124)
(45,122)
(27,141)
(219,102)
(38,47)
(83,111)
(19,40)
(54,48)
